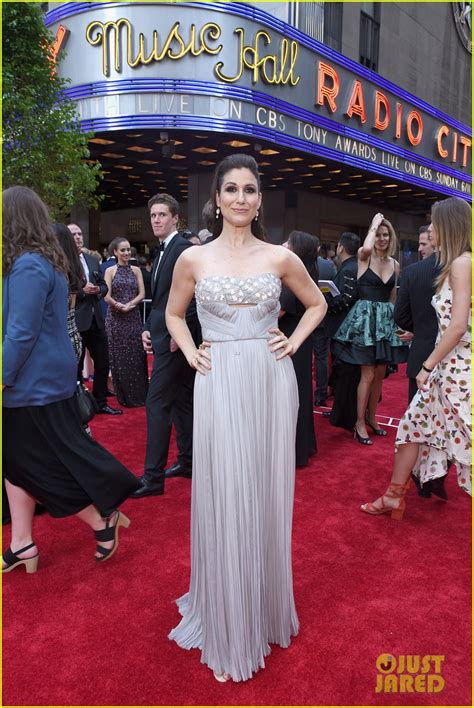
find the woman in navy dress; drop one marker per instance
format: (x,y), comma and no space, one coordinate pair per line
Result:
(123,324)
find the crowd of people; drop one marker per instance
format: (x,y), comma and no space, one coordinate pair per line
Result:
(232,326)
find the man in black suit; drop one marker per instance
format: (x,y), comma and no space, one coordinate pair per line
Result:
(90,323)
(170,395)
(344,377)
(415,314)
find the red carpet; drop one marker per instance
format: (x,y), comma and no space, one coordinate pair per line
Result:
(80,634)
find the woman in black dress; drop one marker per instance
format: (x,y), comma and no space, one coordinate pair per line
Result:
(305,246)
(123,324)
(47,456)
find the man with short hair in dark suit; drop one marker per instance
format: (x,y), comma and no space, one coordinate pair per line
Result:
(90,323)
(415,314)
(170,395)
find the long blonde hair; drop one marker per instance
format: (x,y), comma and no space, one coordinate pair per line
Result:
(451,219)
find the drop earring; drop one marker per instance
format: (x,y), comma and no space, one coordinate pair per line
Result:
(218,211)
(256,215)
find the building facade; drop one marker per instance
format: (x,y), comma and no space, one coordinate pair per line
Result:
(349,108)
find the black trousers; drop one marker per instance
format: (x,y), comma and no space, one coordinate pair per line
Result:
(95,339)
(321,355)
(169,401)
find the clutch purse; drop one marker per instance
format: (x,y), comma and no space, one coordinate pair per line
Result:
(86,403)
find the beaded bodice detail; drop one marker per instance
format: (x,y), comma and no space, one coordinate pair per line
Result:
(249,290)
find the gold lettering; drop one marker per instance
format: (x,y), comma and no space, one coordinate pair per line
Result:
(420,683)
(391,683)
(379,685)
(413,664)
(270,68)
(435,683)
(98,33)
(437,660)
(406,683)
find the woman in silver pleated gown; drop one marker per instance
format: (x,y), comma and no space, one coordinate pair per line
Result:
(240,598)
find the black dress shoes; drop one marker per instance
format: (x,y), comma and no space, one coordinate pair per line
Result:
(178,470)
(149,488)
(436,487)
(109,410)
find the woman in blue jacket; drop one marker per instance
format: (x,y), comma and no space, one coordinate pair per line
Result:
(46,454)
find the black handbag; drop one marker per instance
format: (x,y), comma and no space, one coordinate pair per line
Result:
(86,403)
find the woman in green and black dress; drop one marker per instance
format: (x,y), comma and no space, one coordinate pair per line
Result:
(367,336)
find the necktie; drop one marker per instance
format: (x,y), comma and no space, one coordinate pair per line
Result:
(161,247)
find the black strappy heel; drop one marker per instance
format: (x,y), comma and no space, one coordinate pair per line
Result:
(376,431)
(110,533)
(12,560)
(360,439)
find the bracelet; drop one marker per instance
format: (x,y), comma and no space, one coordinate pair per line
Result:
(425,368)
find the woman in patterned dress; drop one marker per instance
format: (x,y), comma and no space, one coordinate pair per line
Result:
(436,428)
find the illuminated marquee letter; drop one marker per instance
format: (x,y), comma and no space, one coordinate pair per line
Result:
(444,130)
(381,100)
(414,116)
(467,144)
(327,92)
(356,103)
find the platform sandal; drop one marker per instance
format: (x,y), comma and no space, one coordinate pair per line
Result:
(110,533)
(12,560)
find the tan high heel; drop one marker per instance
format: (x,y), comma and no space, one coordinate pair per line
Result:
(394,491)
(12,560)
(110,533)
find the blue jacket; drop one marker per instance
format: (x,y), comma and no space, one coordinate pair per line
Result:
(39,364)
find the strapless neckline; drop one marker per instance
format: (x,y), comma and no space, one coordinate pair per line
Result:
(238,277)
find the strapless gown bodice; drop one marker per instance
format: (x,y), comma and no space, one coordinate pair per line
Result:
(218,298)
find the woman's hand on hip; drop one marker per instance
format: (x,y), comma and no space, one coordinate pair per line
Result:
(201,359)
(280,344)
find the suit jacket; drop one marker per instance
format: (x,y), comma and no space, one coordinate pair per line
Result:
(339,305)
(39,364)
(162,276)
(89,305)
(414,311)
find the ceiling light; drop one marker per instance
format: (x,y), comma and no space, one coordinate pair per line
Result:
(392,196)
(355,176)
(361,189)
(327,179)
(308,174)
(297,182)
(352,194)
(138,148)
(264,164)
(204,150)
(148,162)
(334,172)
(419,194)
(364,199)
(388,186)
(236,144)
(133,177)
(269,151)
(277,179)
(134,135)
(206,162)
(201,137)
(286,169)
(108,179)
(154,172)
(334,190)
(123,167)
(343,184)
(406,190)
(315,186)
(178,157)
(373,181)
(112,154)
(293,159)
(318,164)
(101,141)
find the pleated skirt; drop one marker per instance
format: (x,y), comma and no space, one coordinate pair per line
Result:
(47,453)
(240,598)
